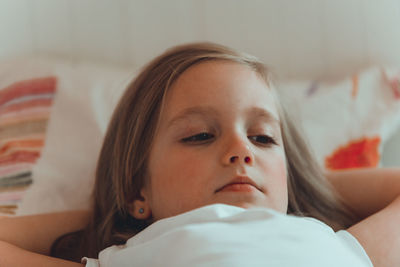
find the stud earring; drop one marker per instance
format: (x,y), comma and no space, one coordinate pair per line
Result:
(141,210)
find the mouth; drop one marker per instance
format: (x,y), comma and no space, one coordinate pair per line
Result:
(239,184)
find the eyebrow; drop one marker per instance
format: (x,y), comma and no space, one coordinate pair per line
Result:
(258,112)
(255,112)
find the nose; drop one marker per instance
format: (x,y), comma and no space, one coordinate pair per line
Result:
(238,152)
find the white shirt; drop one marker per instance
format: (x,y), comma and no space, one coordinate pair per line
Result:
(222,235)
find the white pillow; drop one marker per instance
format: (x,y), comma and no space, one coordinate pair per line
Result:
(348,121)
(86,96)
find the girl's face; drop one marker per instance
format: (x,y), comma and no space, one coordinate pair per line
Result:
(218,141)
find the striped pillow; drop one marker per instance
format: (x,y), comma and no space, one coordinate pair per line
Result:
(24,112)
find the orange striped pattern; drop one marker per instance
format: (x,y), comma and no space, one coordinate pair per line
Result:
(24,112)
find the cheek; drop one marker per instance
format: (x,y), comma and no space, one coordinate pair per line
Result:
(281,172)
(281,169)
(277,169)
(274,163)
(282,186)
(177,181)
(180,168)
(274,169)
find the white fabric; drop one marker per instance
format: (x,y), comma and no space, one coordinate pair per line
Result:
(85,98)
(336,115)
(222,235)
(90,262)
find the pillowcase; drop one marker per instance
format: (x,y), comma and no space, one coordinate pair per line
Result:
(24,112)
(86,95)
(347,122)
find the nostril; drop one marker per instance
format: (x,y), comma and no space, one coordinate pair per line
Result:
(233,159)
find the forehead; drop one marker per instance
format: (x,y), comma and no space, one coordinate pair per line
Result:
(227,86)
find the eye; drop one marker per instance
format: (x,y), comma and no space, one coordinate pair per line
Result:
(263,139)
(201,137)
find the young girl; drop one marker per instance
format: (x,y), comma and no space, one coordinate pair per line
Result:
(200,166)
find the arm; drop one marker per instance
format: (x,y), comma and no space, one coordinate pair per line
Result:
(36,233)
(379,235)
(11,255)
(366,191)
(374,194)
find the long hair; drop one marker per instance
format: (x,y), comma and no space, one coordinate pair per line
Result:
(122,163)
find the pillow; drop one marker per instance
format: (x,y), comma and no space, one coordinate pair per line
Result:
(86,96)
(24,112)
(347,122)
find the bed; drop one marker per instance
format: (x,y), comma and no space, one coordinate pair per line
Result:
(64,65)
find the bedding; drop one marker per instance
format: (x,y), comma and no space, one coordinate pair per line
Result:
(346,122)
(71,103)
(24,112)
(223,235)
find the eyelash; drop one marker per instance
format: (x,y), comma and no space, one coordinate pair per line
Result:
(195,139)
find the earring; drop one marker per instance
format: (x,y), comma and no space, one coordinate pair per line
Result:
(141,210)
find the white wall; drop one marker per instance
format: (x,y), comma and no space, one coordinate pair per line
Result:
(297,38)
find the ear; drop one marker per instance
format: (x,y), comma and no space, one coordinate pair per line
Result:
(140,207)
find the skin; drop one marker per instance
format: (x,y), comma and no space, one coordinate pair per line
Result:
(210,124)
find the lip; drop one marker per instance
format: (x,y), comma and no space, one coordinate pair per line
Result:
(239,184)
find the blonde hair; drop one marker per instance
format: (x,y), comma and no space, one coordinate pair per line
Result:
(122,164)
